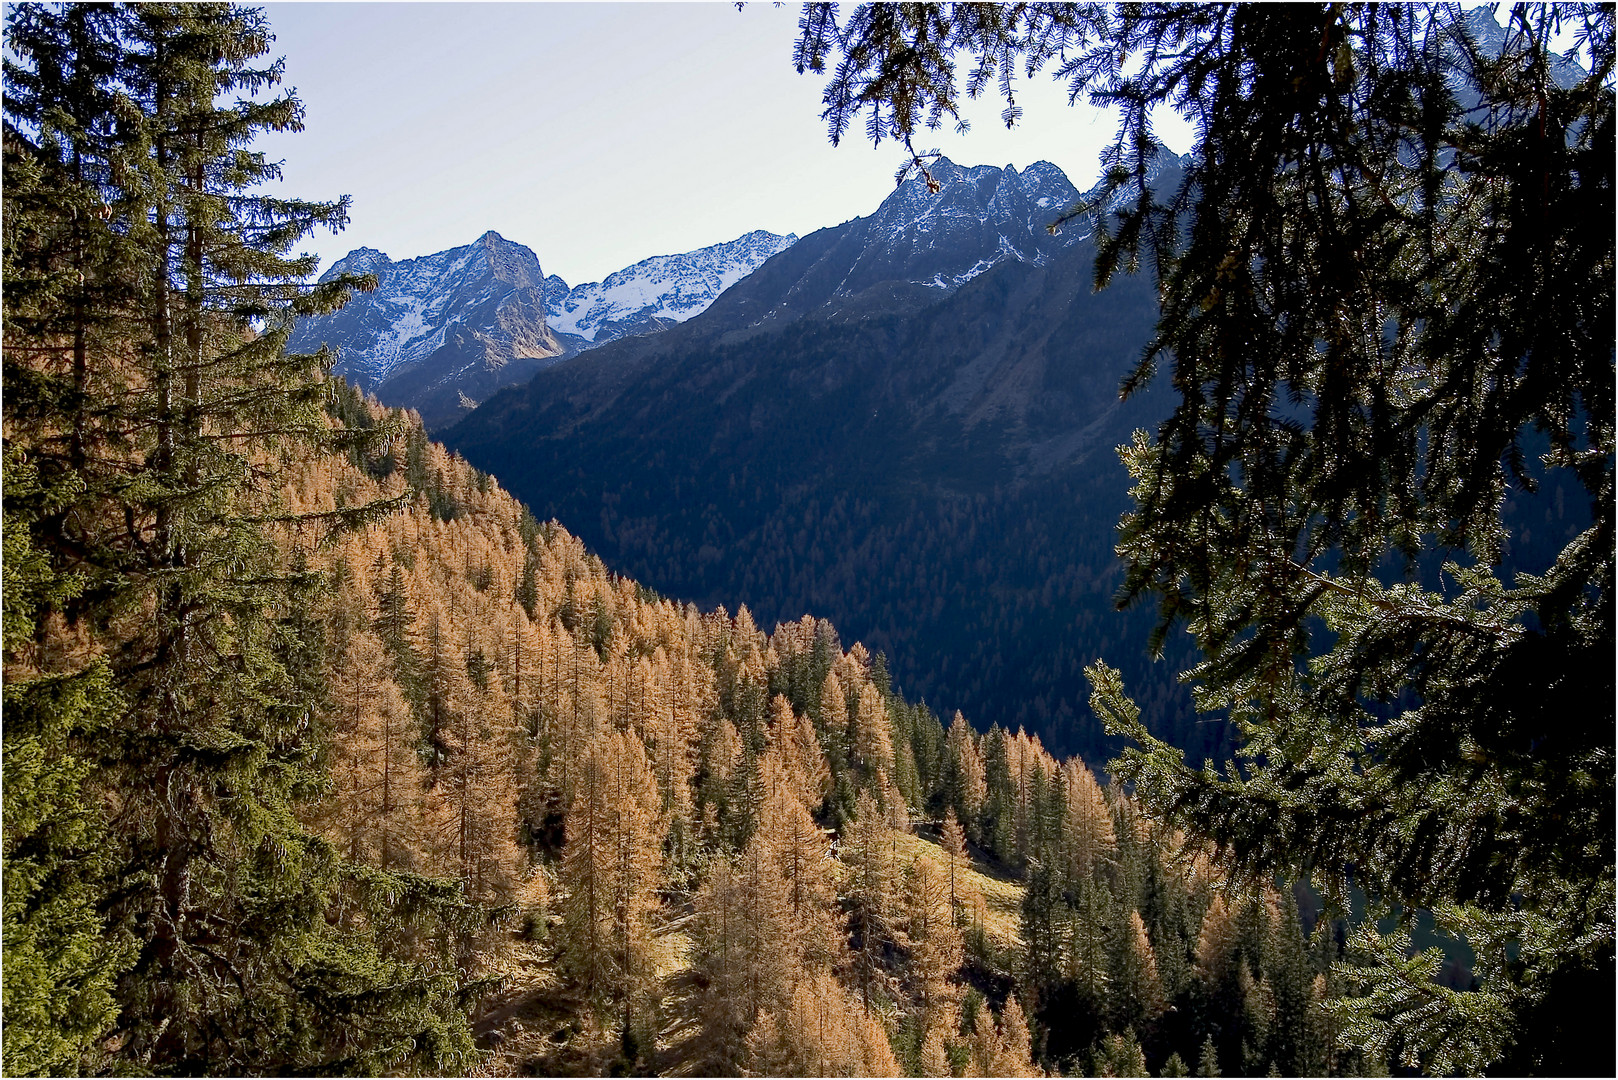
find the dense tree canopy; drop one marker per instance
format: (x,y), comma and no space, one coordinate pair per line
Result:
(322,755)
(1386,290)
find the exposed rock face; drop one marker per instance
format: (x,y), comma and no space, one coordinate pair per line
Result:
(442,332)
(441,329)
(915,247)
(1006,350)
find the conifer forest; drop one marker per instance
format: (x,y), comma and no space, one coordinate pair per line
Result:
(323,755)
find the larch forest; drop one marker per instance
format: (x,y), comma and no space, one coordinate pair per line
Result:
(322,755)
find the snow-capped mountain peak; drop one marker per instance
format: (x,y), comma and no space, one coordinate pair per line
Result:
(415,303)
(657,291)
(359,261)
(445,329)
(978,218)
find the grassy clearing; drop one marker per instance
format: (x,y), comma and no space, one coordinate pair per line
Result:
(1002,894)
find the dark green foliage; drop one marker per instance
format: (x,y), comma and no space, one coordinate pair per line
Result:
(999,824)
(526,590)
(200,928)
(1406,332)
(1042,929)
(1120,1055)
(1386,297)
(60,961)
(1096,995)
(394,626)
(441,500)
(372,449)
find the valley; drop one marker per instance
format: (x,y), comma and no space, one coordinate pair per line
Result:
(906,422)
(1017,631)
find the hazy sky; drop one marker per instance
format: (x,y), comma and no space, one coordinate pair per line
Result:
(597,134)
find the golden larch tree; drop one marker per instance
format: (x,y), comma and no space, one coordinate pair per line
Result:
(1087,833)
(377,777)
(800,751)
(612,870)
(871,744)
(953,841)
(935,943)
(823,1032)
(801,853)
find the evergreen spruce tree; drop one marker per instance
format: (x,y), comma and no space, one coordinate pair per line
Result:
(1135,996)
(395,627)
(963,777)
(147,376)
(873,907)
(1386,288)
(1121,1055)
(1092,922)
(66,294)
(1000,798)
(69,289)
(61,963)
(1295,1043)
(1043,922)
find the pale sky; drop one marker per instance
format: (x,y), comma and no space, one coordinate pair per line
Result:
(598,134)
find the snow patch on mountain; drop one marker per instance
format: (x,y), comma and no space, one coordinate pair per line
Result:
(449,328)
(415,303)
(672,288)
(980,213)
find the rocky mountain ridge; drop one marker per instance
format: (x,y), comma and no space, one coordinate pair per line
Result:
(656,292)
(914,247)
(441,332)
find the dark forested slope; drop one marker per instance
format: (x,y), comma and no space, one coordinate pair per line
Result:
(931,466)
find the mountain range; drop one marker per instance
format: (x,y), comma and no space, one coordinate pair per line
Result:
(905,423)
(442,331)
